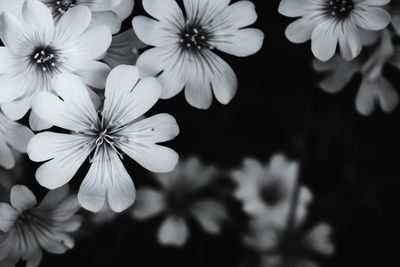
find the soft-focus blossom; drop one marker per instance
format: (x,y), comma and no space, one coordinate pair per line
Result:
(10,177)
(124,49)
(268,190)
(179,198)
(104,12)
(117,130)
(26,229)
(333,23)
(394,8)
(12,135)
(183,54)
(299,251)
(374,89)
(36,50)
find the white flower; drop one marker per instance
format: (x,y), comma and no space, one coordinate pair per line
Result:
(118,129)
(374,89)
(179,198)
(104,12)
(27,229)
(268,190)
(12,135)
(331,22)
(124,49)
(36,50)
(183,56)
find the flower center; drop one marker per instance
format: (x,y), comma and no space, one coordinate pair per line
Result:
(195,37)
(64,5)
(45,59)
(340,8)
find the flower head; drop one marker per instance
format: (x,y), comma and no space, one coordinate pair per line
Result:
(184,56)
(374,89)
(268,190)
(179,198)
(36,50)
(12,135)
(329,23)
(27,229)
(104,137)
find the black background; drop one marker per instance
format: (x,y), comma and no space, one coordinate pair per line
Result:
(350,162)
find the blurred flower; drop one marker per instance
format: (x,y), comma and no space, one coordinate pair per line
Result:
(268,190)
(374,88)
(124,49)
(26,229)
(394,8)
(331,22)
(10,177)
(104,12)
(180,198)
(118,129)
(183,56)
(36,51)
(12,135)
(295,251)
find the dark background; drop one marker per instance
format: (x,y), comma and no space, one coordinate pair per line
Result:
(350,162)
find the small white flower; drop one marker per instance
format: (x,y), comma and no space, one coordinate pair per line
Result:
(178,198)
(183,56)
(36,50)
(268,190)
(104,12)
(374,89)
(12,135)
(27,229)
(329,23)
(118,129)
(124,49)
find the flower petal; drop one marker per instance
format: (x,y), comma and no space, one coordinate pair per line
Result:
(224,83)
(94,74)
(22,198)
(166,11)
(73,24)
(173,231)
(141,143)
(124,9)
(38,124)
(372,18)
(7,160)
(209,214)
(75,111)
(39,21)
(96,6)
(126,98)
(350,41)
(300,30)
(108,18)
(17,135)
(66,153)
(324,40)
(293,8)
(153,32)
(149,203)
(8,217)
(13,34)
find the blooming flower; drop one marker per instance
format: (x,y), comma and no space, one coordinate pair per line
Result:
(12,135)
(268,190)
(118,129)
(104,12)
(124,49)
(374,88)
(36,50)
(183,55)
(178,198)
(27,229)
(331,22)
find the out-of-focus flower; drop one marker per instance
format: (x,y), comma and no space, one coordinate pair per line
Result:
(333,23)
(27,229)
(104,12)
(124,49)
(180,198)
(12,135)
(268,190)
(118,129)
(375,89)
(298,251)
(36,50)
(394,8)
(8,178)
(183,56)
